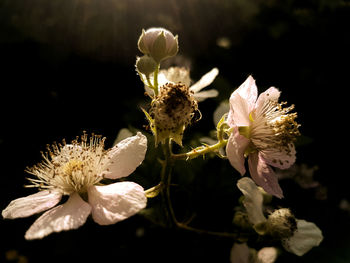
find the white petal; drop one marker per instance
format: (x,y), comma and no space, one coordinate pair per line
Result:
(205,80)
(242,102)
(200,96)
(122,134)
(240,253)
(307,236)
(267,255)
(263,175)
(126,156)
(279,159)
(29,205)
(115,202)
(253,200)
(70,215)
(235,149)
(271,94)
(223,108)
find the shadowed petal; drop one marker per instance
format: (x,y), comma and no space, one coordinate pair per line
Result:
(32,204)
(115,202)
(70,215)
(253,200)
(235,149)
(263,175)
(126,156)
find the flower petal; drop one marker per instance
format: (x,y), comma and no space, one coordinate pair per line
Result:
(116,202)
(126,156)
(70,215)
(253,200)
(235,149)
(240,253)
(307,236)
(267,255)
(279,159)
(271,94)
(200,96)
(205,80)
(32,204)
(263,175)
(242,102)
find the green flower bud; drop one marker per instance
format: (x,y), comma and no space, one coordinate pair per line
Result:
(158,43)
(146,65)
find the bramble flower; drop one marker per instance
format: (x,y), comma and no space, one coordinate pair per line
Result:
(262,130)
(182,75)
(241,253)
(158,43)
(76,170)
(297,236)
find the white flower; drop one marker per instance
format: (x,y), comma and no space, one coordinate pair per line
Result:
(306,236)
(241,253)
(76,170)
(177,74)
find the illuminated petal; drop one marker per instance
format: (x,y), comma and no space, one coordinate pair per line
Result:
(279,159)
(126,156)
(32,204)
(271,94)
(116,202)
(242,102)
(263,175)
(70,215)
(307,236)
(200,96)
(205,80)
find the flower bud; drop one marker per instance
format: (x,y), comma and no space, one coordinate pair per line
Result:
(146,65)
(158,43)
(281,224)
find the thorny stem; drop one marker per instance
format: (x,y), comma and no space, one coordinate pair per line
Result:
(201,150)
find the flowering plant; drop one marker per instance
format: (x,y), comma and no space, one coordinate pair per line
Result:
(258,128)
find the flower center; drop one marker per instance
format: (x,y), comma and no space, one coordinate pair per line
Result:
(274,127)
(71,168)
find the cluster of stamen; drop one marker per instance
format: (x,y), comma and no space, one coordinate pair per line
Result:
(173,107)
(275,127)
(71,167)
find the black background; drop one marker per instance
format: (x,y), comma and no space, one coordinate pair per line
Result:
(68,66)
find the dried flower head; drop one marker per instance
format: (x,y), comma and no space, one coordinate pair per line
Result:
(172,110)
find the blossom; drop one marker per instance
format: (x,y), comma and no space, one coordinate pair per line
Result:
(262,130)
(77,170)
(182,75)
(297,236)
(241,253)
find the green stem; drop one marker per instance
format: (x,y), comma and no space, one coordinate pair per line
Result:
(201,150)
(155,80)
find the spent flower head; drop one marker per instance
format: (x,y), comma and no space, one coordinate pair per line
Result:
(264,131)
(77,170)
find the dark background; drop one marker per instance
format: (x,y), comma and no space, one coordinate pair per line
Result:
(68,66)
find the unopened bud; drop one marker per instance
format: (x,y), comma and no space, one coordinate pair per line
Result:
(158,43)
(146,65)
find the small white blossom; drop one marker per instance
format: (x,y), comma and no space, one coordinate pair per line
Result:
(182,75)
(77,170)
